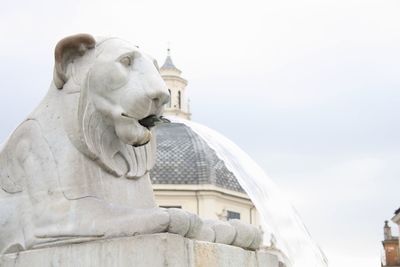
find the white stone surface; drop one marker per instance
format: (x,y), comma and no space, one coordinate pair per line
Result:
(141,251)
(77,168)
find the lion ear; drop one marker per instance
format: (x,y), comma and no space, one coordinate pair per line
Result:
(66,51)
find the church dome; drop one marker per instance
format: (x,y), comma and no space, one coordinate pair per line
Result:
(183,157)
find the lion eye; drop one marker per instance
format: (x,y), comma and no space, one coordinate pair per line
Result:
(126,61)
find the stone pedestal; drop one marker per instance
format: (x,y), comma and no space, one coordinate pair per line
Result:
(141,251)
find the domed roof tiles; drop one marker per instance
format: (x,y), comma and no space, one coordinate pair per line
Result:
(183,157)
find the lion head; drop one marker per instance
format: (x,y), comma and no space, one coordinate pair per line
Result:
(117,86)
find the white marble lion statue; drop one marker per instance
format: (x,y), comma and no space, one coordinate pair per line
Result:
(77,169)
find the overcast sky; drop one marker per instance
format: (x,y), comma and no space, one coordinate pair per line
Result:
(310,89)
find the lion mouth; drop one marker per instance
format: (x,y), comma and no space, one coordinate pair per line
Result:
(152,120)
(149,121)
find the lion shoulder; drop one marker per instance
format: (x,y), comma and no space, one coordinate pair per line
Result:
(26,153)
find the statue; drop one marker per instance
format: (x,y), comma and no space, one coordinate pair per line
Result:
(77,169)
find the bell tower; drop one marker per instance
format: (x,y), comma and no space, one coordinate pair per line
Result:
(391,247)
(179,103)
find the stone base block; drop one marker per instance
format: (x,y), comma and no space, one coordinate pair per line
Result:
(141,251)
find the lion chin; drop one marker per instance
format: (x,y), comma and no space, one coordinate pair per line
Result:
(131,132)
(77,168)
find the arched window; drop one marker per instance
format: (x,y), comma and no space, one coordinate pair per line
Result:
(179,100)
(169,102)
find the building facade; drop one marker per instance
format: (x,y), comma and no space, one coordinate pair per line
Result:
(391,257)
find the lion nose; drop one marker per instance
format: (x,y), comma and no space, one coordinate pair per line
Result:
(159,98)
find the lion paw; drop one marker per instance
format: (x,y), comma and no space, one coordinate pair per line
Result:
(247,235)
(184,223)
(234,232)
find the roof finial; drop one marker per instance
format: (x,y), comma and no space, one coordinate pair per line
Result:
(168,64)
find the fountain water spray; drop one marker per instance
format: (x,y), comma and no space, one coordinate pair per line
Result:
(280,220)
